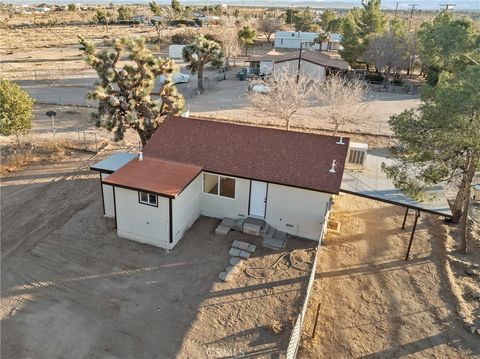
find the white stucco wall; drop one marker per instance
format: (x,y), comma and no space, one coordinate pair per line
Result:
(306,68)
(219,207)
(141,222)
(108,198)
(186,208)
(175,51)
(296,211)
(266,67)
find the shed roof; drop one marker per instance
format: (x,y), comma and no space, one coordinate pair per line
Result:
(289,158)
(165,178)
(113,162)
(372,183)
(314,56)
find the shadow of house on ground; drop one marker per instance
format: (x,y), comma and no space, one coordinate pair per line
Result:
(373,303)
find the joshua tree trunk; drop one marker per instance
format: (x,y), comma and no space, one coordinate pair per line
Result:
(200,78)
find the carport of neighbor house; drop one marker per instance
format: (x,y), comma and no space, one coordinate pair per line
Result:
(371,182)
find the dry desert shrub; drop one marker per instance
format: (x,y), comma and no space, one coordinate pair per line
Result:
(275,327)
(27,150)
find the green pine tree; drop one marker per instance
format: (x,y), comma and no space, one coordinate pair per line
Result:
(441,140)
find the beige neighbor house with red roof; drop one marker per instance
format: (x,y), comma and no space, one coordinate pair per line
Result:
(313,63)
(193,167)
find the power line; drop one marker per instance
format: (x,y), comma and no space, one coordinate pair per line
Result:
(412,6)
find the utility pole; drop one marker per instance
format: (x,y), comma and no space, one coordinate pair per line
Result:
(411,15)
(299,61)
(396,9)
(448,6)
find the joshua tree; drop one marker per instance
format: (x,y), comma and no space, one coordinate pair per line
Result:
(125,92)
(201,52)
(321,38)
(247,37)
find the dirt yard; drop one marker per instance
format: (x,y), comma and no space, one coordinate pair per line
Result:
(376,305)
(52,71)
(71,288)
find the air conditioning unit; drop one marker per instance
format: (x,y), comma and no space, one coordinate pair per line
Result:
(357,156)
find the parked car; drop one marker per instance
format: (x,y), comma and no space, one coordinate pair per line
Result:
(177,78)
(245,73)
(258,87)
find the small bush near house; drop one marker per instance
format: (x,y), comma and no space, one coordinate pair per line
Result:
(15,109)
(374,77)
(183,38)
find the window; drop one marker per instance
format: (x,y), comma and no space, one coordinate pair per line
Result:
(219,185)
(147,198)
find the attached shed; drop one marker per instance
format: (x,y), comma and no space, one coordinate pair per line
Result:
(106,167)
(194,167)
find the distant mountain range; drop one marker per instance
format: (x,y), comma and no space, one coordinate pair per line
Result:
(344,4)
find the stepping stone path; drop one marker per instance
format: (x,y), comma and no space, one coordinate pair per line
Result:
(244,246)
(239,251)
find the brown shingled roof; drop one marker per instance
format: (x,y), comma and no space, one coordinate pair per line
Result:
(290,158)
(165,178)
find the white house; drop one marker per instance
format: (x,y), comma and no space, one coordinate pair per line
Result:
(293,39)
(194,167)
(314,63)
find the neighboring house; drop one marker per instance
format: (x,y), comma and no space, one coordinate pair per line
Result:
(193,167)
(293,39)
(313,63)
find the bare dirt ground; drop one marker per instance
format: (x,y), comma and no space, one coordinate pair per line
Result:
(373,303)
(47,63)
(71,288)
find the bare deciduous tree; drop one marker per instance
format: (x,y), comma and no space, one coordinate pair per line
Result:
(283,95)
(229,40)
(340,100)
(268,26)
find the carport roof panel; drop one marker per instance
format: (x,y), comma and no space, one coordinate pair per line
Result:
(164,178)
(373,183)
(113,162)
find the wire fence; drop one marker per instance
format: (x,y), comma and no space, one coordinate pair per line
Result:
(296,334)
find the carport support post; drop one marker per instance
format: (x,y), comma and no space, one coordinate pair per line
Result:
(417,214)
(405,218)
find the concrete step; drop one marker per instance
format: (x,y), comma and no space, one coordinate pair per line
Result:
(251,228)
(276,241)
(270,232)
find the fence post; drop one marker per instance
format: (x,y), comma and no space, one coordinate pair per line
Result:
(96,145)
(316,322)
(84,140)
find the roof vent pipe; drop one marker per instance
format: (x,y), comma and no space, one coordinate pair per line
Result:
(334,164)
(340,141)
(140,156)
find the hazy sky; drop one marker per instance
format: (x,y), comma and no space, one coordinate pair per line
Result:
(387,4)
